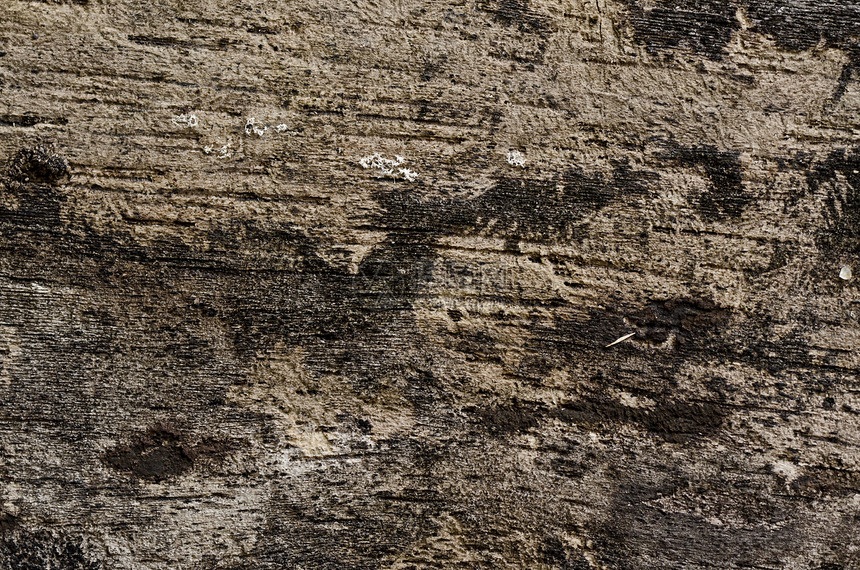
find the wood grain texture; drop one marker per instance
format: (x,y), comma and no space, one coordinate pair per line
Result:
(332,284)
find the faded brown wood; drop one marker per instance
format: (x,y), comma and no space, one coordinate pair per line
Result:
(336,284)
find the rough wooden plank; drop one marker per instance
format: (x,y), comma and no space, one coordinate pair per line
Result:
(333,285)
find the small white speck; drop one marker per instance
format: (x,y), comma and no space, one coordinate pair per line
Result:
(622,339)
(252,128)
(223,152)
(281,128)
(787,470)
(845,273)
(184,120)
(516,158)
(409,175)
(388,167)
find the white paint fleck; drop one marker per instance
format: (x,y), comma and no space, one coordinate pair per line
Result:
(223,152)
(516,158)
(389,167)
(845,273)
(252,128)
(190,121)
(785,469)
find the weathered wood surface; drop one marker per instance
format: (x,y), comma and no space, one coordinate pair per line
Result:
(237,331)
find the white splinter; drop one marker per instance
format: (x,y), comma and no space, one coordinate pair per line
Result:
(622,339)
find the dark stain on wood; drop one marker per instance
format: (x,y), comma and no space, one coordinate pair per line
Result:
(725,196)
(519,208)
(674,422)
(518,14)
(505,420)
(45,550)
(157,454)
(38,165)
(694,320)
(702,27)
(839,177)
